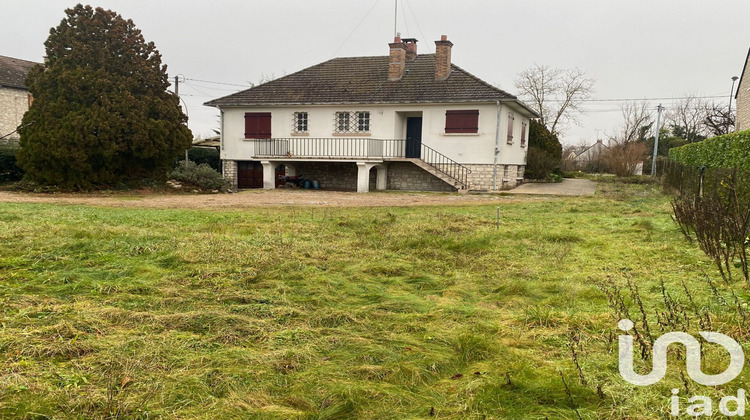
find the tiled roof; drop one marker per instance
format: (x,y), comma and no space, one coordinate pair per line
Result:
(364,80)
(13,72)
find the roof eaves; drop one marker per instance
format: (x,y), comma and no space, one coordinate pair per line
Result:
(487,101)
(743,73)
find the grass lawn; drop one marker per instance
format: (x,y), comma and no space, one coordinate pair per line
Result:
(324,313)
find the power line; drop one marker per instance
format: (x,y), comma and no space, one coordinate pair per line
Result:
(642,99)
(223,89)
(218,83)
(356,27)
(418,27)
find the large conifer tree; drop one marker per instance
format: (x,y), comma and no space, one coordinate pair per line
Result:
(101,114)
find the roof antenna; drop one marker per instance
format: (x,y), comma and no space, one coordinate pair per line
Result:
(395,21)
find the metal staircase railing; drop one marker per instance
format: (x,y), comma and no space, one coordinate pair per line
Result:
(445,165)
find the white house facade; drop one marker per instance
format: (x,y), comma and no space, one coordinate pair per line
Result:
(14,96)
(742,97)
(404,121)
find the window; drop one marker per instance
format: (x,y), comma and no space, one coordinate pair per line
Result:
(363,122)
(300,122)
(257,125)
(466,121)
(511,120)
(352,122)
(523,134)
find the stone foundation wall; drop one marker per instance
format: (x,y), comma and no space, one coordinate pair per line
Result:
(13,104)
(508,176)
(229,169)
(409,177)
(340,176)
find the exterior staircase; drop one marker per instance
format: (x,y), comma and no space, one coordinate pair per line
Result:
(461,187)
(440,166)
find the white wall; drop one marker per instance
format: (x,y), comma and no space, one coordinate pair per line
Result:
(389,122)
(13,104)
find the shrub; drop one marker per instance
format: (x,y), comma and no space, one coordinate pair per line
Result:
(9,170)
(545,152)
(622,159)
(202,176)
(727,151)
(712,206)
(209,156)
(540,164)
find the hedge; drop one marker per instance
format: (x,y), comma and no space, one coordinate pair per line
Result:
(727,151)
(9,171)
(209,156)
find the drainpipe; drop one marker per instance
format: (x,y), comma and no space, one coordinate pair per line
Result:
(497,149)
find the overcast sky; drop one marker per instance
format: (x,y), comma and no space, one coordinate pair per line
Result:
(632,48)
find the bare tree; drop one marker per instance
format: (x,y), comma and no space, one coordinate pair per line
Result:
(686,118)
(718,119)
(556,94)
(638,122)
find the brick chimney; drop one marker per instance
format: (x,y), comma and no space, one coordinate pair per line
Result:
(443,58)
(397,63)
(411,48)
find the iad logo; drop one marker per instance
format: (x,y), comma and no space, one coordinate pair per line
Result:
(693,357)
(693,367)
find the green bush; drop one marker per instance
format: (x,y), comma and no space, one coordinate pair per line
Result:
(9,170)
(727,151)
(202,176)
(209,156)
(544,153)
(540,164)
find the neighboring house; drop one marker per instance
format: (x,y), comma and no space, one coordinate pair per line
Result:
(213,142)
(403,121)
(14,97)
(590,154)
(742,98)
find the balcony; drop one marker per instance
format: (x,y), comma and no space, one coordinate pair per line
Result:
(354,149)
(328,148)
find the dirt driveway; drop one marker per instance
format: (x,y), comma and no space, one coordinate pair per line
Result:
(257,198)
(566,187)
(280,197)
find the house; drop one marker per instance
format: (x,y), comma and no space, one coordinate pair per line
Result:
(405,121)
(588,155)
(14,96)
(742,98)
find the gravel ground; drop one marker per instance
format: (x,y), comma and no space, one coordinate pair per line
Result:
(566,187)
(256,198)
(287,197)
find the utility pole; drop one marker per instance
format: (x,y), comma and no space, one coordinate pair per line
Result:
(656,140)
(177,92)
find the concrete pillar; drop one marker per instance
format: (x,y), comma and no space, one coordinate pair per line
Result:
(269,174)
(363,177)
(382,173)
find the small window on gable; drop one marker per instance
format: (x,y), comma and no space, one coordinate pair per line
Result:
(300,122)
(351,122)
(464,121)
(523,134)
(511,120)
